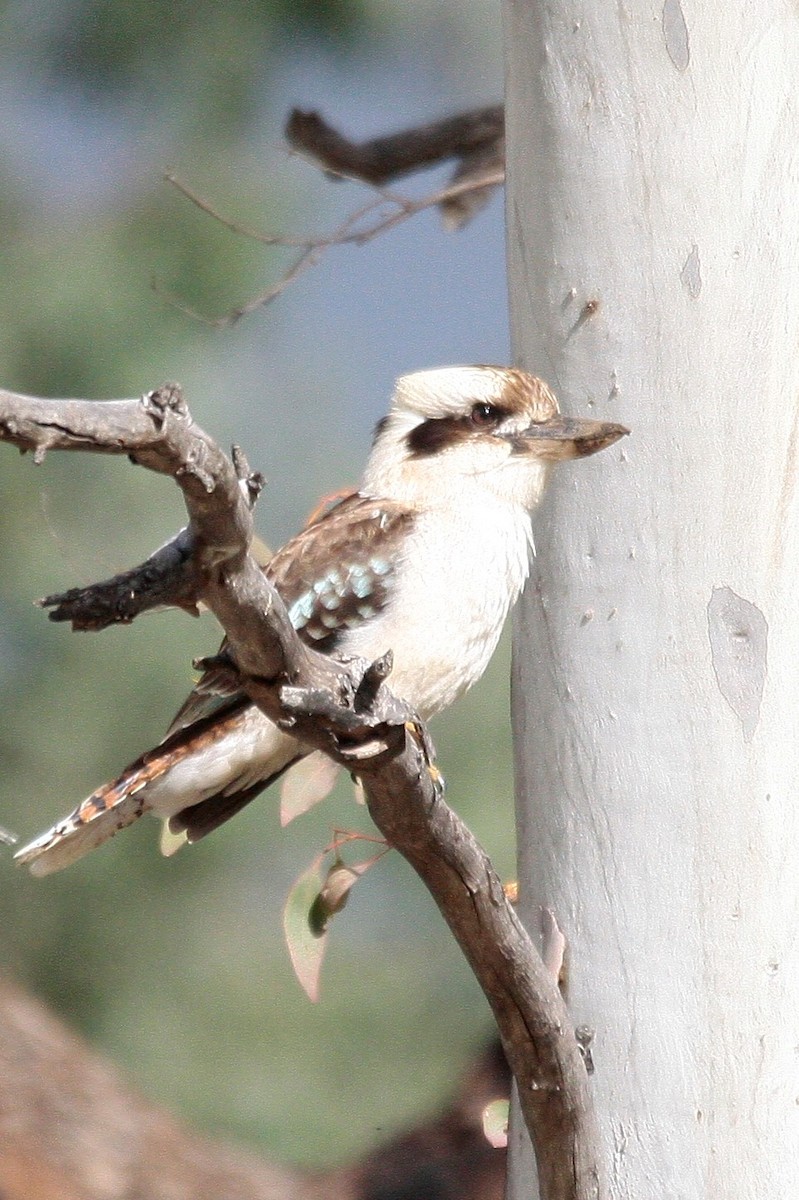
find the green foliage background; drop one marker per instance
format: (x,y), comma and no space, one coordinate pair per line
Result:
(176,967)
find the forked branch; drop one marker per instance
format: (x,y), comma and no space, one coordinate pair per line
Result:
(345,710)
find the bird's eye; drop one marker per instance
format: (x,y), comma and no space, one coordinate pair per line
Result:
(485,415)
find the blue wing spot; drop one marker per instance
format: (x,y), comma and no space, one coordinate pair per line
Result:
(301,610)
(330,582)
(343,597)
(361,582)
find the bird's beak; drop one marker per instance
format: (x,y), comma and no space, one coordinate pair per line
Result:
(567,437)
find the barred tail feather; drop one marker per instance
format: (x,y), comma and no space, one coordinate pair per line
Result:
(109,809)
(195,780)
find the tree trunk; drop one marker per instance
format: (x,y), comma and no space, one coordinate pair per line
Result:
(653,227)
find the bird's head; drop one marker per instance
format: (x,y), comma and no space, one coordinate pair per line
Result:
(489,427)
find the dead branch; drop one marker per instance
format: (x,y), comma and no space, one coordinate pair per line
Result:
(361,227)
(346,710)
(381,159)
(475,139)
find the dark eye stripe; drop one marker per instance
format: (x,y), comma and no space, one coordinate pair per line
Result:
(435,434)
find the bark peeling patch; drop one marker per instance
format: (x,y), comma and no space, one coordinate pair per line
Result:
(691,274)
(738,634)
(675,32)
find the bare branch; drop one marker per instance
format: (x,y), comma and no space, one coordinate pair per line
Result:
(166,578)
(382,159)
(158,432)
(405,801)
(475,139)
(345,709)
(205,206)
(466,193)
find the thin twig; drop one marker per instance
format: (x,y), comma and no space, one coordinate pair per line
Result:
(350,232)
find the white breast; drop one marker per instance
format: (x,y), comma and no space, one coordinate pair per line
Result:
(461,572)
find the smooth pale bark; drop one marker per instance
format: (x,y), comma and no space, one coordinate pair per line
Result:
(653,223)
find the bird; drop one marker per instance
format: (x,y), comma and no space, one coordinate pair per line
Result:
(425,559)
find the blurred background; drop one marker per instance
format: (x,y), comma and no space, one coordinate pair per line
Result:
(176,967)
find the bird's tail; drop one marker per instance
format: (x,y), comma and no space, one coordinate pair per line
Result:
(194,781)
(110,808)
(200,776)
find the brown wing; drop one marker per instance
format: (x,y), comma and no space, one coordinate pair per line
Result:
(338,573)
(333,576)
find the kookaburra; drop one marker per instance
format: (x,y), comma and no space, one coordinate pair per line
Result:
(425,559)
